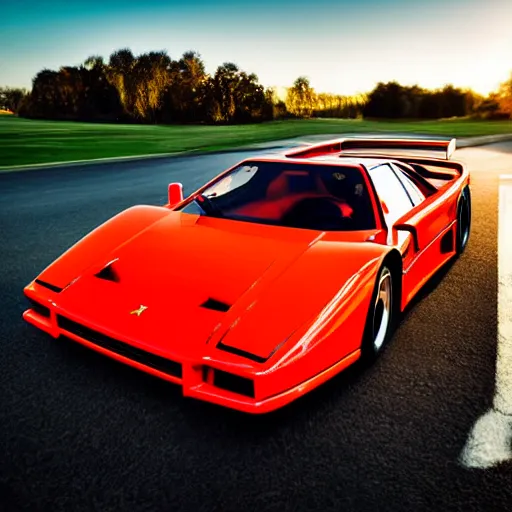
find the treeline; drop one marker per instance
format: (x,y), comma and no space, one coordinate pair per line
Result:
(150,88)
(394,101)
(153,88)
(302,101)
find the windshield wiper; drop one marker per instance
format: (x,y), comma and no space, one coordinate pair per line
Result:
(208,206)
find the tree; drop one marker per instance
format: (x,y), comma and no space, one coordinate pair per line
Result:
(11,98)
(250,100)
(221,92)
(102,101)
(184,99)
(489,108)
(120,75)
(332,105)
(95,62)
(235,96)
(79,93)
(504,97)
(272,106)
(387,100)
(150,76)
(71,92)
(44,99)
(300,98)
(453,102)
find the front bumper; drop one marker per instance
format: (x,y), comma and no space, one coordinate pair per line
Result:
(197,378)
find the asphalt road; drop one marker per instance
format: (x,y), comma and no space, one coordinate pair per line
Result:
(79,431)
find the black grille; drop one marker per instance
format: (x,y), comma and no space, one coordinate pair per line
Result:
(123,349)
(39,308)
(234,383)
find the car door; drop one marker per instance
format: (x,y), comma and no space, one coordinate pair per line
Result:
(434,243)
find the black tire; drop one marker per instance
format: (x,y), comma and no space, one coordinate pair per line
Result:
(381,318)
(463,226)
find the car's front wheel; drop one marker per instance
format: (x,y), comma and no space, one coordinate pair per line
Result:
(380,320)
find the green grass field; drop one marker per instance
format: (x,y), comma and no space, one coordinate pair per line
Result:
(24,141)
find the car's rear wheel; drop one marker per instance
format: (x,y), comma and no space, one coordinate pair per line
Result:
(463,221)
(381,316)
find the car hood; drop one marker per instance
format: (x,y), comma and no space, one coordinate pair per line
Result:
(185,282)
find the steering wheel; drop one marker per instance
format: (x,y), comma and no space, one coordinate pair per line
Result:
(320,213)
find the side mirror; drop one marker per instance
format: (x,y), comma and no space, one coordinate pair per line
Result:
(412,230)
(175,193)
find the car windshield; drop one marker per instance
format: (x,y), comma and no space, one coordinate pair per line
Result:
(308,196)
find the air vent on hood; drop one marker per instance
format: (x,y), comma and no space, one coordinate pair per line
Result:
(241,353)
(49,286)
(108,273)
(216,305)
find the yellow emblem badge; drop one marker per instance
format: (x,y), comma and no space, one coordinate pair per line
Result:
(139,311)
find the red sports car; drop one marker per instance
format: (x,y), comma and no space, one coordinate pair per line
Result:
(271,278)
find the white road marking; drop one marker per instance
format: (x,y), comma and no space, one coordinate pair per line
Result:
(490,441)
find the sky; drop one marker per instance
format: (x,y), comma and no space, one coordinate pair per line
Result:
(343,47)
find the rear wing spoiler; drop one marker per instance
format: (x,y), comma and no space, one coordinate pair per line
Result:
(447,147)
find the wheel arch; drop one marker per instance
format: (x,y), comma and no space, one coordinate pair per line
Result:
(464,198)
(393,260)
(466,194)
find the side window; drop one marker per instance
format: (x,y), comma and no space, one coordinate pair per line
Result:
(395,200)
(414,192)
